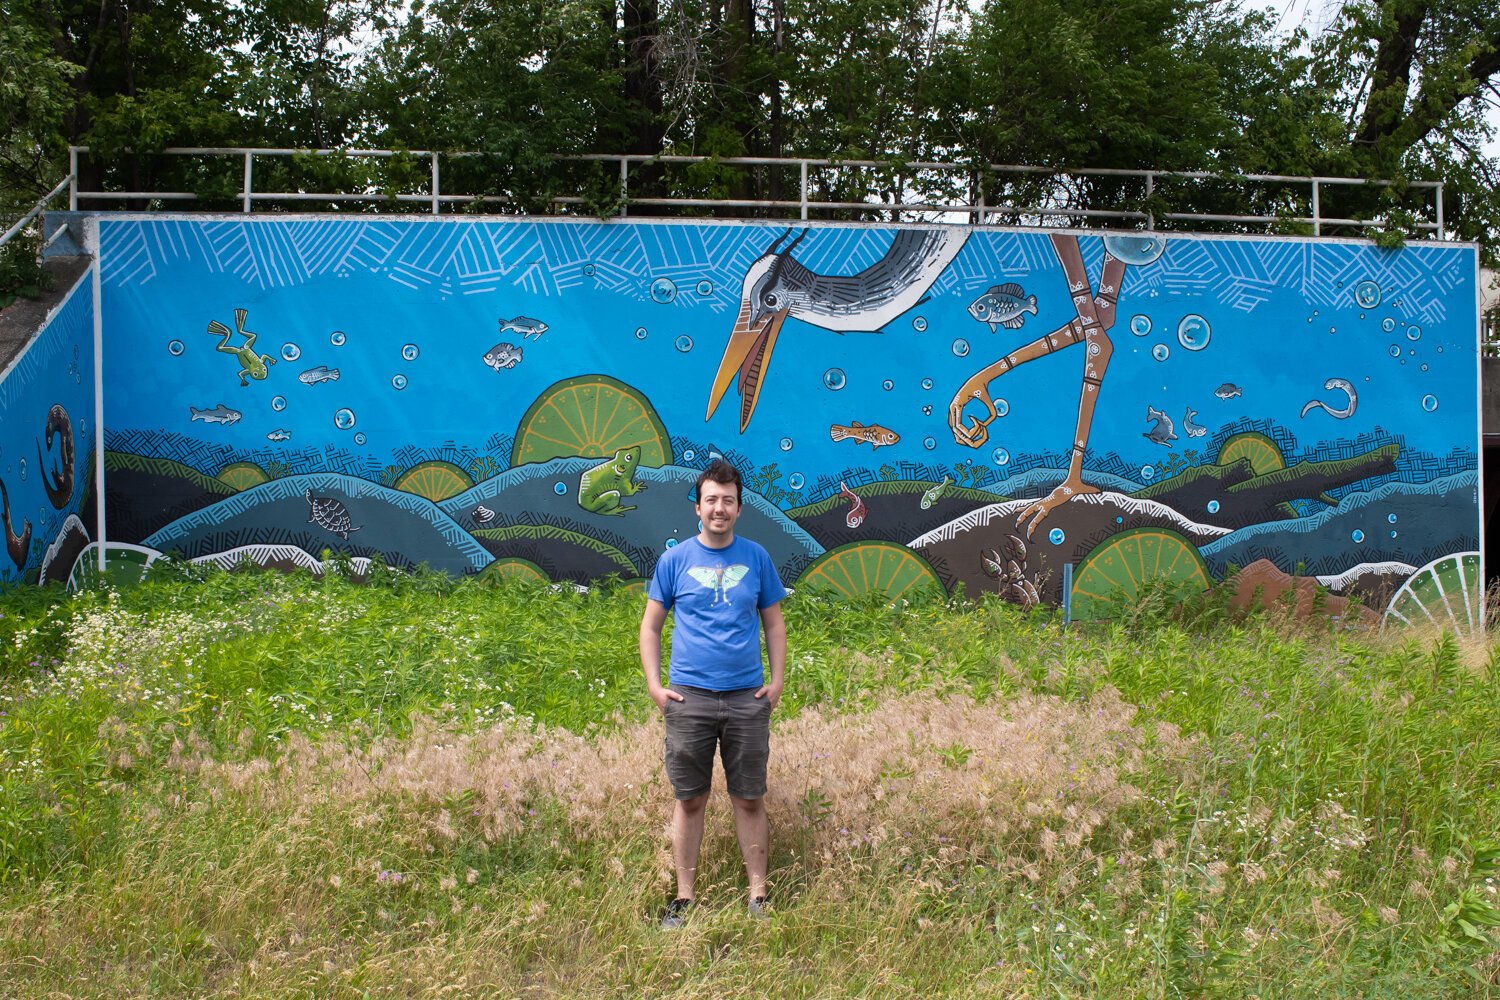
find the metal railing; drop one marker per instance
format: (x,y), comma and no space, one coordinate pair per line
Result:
(69,183)
(807,202)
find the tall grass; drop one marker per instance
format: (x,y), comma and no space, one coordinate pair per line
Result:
(255,784)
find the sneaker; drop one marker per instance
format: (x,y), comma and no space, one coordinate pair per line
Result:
(677,914)
(760,908)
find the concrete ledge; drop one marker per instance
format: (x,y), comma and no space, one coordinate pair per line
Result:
(23,318)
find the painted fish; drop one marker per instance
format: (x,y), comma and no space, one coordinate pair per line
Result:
(1003,305)
(503,356)
(220,414)
(483,515)
(1193,430)
(1346,412)
(857,509)
(930,497)
(524,325)
(279,434)
(1162,432)
(873,435)
(322,373)
(1228,391)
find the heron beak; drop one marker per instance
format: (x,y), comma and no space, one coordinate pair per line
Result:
(747,355)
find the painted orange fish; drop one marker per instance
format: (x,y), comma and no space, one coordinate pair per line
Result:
(874,435)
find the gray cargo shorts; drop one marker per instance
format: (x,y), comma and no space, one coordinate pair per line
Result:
(736,721)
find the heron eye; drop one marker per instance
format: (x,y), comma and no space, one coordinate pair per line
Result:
(770,300)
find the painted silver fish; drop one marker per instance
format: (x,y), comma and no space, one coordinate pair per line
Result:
(524,325)
(1162,432)
(1346,412)
(503,356)
(1193,430)
(220,414)
(279,434)
(322,373)
(1003,305)
(931,496)
(1228,391)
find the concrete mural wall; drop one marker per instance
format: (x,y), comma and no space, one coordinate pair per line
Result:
(910,405)
(47,448)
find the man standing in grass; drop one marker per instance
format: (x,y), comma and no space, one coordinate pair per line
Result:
(722,590)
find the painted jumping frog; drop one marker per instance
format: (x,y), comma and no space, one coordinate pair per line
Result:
(600,488)
(257,366)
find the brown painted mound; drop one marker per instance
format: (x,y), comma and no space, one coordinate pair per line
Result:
(1262,585)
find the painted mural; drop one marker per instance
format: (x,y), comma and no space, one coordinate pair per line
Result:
(47,495)
(911,406)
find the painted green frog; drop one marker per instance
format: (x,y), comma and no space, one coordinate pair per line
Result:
(600,488)
(257,366)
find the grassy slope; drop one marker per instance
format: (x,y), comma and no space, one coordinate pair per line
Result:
(1149,809)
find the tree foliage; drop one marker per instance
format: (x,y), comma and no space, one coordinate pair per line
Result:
(1392,89)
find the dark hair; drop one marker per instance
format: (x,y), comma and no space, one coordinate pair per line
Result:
(720,471)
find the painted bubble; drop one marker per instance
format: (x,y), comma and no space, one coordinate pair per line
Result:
(1357,535)
(1391,518)
(22,465)
(705,288)
(929,443)
(1002,407)
(927,411)
(1000,456)
(1333,329)
(359,437)
(1424,368)
(687,456)
(663,290)
(1135,250)
(589,270)
(290,352)
(835,379)
(1429,402)
(927,383)
(343,418)
(1193,332)
(961,348)
(1367,294)
(1394,350)
(786,444)
(559,488)
(1140,324)
(398,382)
(1388,324)
(1414,333)
(1119,519)
(683,343)
(640,333)
(888,385)
(1439,350)
(670,541)
(410,352)
(1393,534)
(337,338)
(919,323)
(1148,472)
(278,403)
(796,480)
(1213,506)
(1160,352)
(175,348)
(1056,536)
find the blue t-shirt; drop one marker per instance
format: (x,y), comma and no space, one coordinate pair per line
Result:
(716,596)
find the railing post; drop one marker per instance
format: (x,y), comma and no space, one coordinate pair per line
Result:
(245,194)
(804,190)
(72,178)
(436,191)
(1440,234)
(624,187)
(1317,209)
(1150,190)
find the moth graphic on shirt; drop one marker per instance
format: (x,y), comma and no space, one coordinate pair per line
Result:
(719,578)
